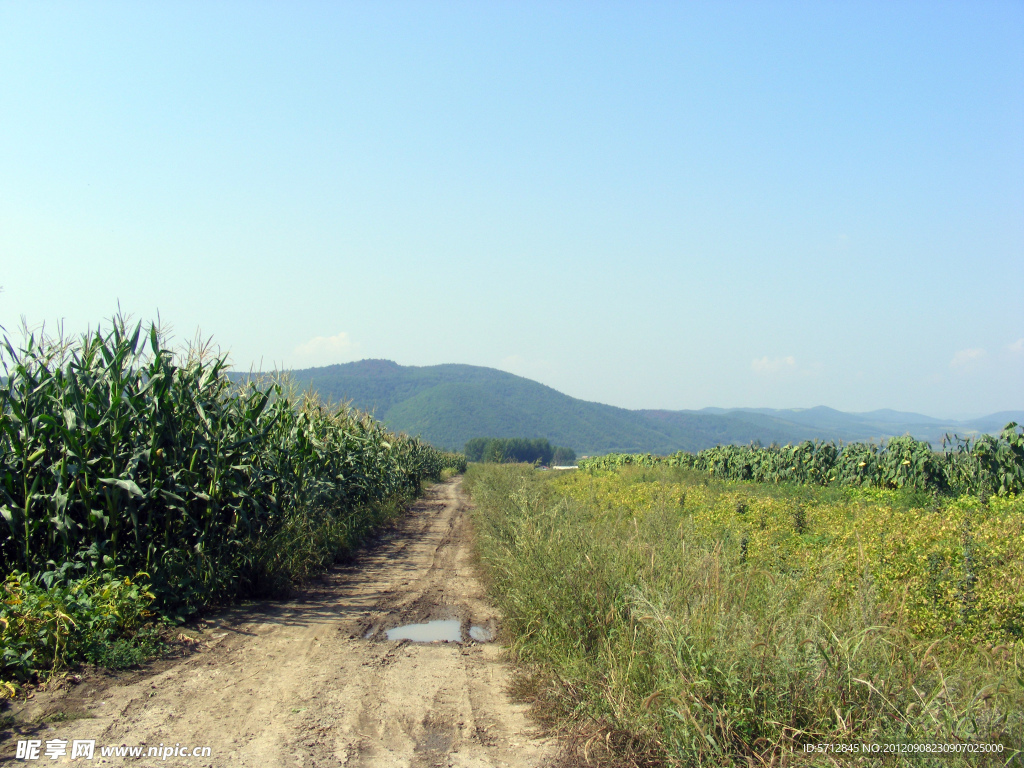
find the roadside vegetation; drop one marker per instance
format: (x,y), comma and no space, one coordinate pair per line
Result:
(666,617)
(139,484)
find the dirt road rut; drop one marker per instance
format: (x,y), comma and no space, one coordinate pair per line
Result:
(315,682)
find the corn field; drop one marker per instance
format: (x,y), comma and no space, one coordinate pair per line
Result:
(117,453)
(987,465)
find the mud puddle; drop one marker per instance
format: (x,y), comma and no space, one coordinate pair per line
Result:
(439,631)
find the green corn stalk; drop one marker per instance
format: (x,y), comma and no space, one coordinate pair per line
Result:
(116,451)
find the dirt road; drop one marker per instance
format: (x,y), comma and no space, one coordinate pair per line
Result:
(315,682)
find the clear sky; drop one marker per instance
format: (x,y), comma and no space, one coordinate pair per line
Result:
(653,205)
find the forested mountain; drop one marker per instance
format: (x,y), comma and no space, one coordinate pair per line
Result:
(447,405)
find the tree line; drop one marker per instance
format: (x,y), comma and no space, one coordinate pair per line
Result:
(500,450)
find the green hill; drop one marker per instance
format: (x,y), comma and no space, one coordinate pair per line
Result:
(450,404)
(875,425)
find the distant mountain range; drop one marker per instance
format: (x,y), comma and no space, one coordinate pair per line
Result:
(447,405)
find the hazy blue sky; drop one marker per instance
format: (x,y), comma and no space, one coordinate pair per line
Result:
(668,205)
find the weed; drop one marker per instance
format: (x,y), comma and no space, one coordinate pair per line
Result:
(682,637)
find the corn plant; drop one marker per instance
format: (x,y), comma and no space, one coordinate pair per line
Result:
(987,465)
(118,453)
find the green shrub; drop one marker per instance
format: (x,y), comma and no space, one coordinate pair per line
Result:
(47,627)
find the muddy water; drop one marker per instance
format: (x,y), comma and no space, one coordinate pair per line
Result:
(441,630)
(438,631)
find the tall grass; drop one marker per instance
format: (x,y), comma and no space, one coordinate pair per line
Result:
(654,643)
